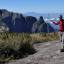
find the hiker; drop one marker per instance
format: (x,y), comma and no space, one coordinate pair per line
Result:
(61,31)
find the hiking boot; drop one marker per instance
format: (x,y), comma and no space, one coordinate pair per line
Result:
(63,46)
(62,50)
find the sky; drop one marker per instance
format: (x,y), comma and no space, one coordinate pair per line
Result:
(38,6)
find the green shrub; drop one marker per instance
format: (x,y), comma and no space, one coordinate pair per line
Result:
(26,48)
(23,50)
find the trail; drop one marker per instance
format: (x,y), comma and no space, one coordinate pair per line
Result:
(47,53)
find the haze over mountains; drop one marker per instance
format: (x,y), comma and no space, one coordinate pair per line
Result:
(45,15)
(30,23)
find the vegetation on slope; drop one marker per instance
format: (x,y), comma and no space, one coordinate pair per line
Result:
(19,45)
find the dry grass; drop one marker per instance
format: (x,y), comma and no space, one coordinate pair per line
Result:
(15,46)
(25,37)
(44,37)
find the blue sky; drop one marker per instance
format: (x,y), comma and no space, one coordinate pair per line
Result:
(38,6)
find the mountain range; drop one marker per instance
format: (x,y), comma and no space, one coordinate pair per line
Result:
(18,22)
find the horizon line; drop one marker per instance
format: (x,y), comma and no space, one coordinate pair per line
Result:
(31,12)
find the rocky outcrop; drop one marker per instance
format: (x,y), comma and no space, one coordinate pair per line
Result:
(18,23)
(41,26)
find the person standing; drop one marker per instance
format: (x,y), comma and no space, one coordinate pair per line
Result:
(61,30)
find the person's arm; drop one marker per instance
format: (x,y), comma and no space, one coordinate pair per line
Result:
(56,23)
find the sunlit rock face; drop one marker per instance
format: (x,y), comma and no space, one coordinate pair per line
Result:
(3,27)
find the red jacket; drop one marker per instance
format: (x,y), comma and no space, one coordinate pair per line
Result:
(61,25)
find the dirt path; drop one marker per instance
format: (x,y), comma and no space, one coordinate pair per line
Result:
(48,53)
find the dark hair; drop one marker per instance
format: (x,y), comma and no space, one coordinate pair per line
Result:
(60,16)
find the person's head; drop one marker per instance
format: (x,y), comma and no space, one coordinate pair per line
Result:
(60,17)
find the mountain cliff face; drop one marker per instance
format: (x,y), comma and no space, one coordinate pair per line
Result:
(15,22)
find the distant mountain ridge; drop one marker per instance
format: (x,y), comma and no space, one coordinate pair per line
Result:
(17,22)
(45,15)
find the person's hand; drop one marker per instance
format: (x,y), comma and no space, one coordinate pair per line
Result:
(51,22)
